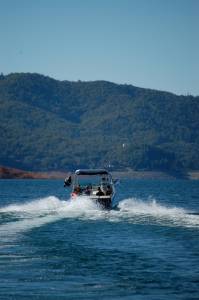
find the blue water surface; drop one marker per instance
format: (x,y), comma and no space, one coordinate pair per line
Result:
(52,247)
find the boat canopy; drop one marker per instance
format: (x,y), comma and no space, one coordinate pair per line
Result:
(91,172)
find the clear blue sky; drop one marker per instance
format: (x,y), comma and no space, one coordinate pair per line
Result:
(147,43)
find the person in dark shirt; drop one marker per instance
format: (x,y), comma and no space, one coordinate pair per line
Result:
(99,192)
(109,190)
(88,190)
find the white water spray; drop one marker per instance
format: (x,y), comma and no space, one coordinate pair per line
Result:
(51,209)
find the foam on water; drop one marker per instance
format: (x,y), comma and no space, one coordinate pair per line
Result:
(51,209)
(34,207)
(151,212)
(43,211)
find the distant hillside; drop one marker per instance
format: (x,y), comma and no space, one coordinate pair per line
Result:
(46,124)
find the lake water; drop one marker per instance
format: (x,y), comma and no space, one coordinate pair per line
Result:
(146,248)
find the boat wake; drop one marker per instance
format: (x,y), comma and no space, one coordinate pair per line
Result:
(152,212)
(19,218)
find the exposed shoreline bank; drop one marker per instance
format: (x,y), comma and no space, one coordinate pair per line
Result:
(10,173)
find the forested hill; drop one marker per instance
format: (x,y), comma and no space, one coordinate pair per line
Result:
(46,124)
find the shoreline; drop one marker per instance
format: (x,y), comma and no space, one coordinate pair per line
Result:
(11,173)
(157,175)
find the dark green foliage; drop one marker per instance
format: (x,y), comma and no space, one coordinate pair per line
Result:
(47,124)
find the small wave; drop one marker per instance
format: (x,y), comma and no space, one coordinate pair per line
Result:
(139,211)
(52,205)
(47,210)
(37,206)
(151,207)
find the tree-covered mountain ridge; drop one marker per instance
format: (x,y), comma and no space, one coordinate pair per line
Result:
(47,124)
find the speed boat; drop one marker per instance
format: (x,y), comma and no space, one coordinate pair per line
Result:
(96,185)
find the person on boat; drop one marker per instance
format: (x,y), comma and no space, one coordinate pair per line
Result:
(88,190)
(108,190)
(99,192)
(77,190)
